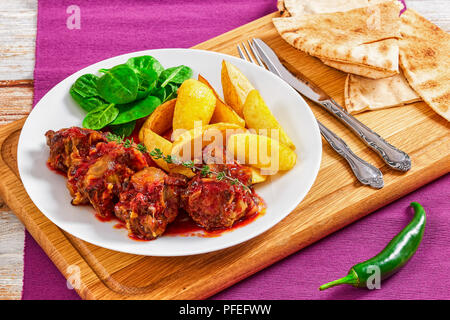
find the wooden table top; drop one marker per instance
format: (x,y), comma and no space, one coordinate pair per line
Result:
(17,46)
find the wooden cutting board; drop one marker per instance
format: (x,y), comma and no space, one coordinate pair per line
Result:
(335,200)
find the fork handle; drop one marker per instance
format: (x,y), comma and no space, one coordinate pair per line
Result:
(394,157)
(365,172)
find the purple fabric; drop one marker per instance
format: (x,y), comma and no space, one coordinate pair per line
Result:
(117,27)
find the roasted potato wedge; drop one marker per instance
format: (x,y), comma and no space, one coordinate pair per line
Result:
(235,86)
(189,145)
(195,102)
(160,120)
(257,177)
(153,141)
(258,116)
(182,170)
(261,152)
(222,112)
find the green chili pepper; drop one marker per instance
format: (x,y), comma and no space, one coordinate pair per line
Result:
(394,256)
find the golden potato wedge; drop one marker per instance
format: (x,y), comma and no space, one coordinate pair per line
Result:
(189,145)
(235,86)
(160,120)
(257,177)
(222,112)
(258,116)
(182,170)
(153,141)
(195,102)
(261,152)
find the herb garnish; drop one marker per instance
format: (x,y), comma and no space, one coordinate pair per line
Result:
(156,153)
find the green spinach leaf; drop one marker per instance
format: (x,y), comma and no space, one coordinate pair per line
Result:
(171,91)
(127,92)
(87,104)
(118,85)
(100,117)
(175,75)
(84,92)
(148,70)
(123,130)
(160,93)
(136,110)
(86,85)
(147,81)
(167,93)
(145,63)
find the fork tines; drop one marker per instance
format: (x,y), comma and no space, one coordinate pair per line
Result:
(249,56)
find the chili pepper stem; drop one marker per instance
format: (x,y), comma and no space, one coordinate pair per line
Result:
(351,278)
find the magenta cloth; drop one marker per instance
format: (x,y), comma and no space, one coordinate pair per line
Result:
(110,28)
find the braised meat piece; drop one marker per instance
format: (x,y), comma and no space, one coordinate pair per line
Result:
(103,174)
(150,202)
(217,204)
(121,181)
(70,145)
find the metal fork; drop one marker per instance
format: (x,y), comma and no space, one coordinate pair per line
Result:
(366,173)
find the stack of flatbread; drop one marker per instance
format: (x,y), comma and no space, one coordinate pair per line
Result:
(359,39)
(365,39)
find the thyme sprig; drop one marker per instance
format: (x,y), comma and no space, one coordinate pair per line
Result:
(156,153)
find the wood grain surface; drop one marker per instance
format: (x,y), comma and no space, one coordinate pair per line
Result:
(17,45)
(17,41)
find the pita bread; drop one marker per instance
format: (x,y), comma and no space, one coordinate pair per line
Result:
(364,36)
(302,7)
(364,71)
(425,60)
(282,9)
(362,94)
(296,8)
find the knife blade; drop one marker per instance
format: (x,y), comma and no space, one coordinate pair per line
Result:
(299,82)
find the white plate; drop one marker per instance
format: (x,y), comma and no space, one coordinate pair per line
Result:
(282,193)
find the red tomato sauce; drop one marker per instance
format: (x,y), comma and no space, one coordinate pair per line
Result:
(56,170)
(184,226)
(120,225)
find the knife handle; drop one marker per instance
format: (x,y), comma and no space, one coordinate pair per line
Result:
(394,157)
(365,172)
